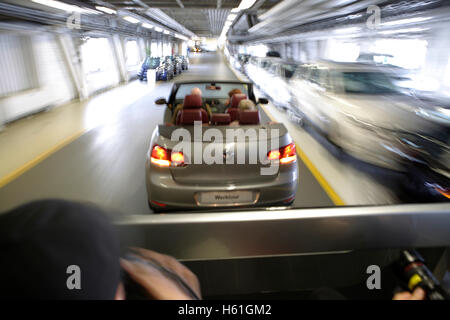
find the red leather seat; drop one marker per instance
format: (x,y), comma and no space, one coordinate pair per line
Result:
(248,117)
(234,103)
(234,113)
(189,116)
(220,119)
(192,111)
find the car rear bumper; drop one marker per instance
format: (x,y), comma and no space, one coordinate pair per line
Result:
(164,192)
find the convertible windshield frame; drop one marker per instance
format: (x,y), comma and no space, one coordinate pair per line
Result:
(202,84)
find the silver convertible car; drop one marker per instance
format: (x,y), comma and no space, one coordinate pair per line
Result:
(212,152)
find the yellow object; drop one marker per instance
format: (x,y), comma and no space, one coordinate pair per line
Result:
(414,281)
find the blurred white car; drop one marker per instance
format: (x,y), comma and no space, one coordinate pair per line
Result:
(271,75)
(359,108)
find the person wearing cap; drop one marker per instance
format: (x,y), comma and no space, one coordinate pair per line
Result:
(55,249)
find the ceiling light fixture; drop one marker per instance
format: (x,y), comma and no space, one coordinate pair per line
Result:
(231,16)
(158,29)
(246,4)
(131,19)
(106,10)
(60,5)
(148,25)
(405,21)
(409,30)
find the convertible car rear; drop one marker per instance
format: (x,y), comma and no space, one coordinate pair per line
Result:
(221,158)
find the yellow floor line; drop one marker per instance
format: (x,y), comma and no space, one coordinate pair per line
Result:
(30,164)
(316,173)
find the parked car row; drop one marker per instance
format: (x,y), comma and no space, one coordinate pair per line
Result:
(165,68)
(360,108)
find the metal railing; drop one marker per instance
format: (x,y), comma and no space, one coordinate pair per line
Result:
(278,231)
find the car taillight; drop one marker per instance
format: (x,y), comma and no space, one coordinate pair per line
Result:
(286,154)
(274,155)
(177,158)
(164,157)
(160,156)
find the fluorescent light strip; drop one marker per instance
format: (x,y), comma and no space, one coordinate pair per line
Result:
(60,5)
(158,29)
(410,30)
(106,10)
(148,25)
(131,19)
(246,4)
(405,21)
(166,32)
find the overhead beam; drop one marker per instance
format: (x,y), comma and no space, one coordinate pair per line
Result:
(180,4)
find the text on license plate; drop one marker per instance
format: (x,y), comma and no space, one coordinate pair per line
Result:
(226,197)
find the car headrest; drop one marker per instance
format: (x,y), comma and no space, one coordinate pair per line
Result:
(187,117)
(192,101)
(220,119)
(236,98)
(248,117)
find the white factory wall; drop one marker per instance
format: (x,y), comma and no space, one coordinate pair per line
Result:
(45,69)
(53,82)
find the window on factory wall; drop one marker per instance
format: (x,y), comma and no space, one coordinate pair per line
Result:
(258,50)
(154,49)
(157,49)
(167,49)
(288,51)
(132,55)
(409,54)
(17,65)
(342,51)
(405,53)
(98,64)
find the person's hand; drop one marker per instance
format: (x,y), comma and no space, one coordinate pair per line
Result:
(157,284)
(418,294)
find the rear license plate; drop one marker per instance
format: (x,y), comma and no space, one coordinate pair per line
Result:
(225,198)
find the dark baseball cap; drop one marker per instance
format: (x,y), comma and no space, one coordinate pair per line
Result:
(55,249)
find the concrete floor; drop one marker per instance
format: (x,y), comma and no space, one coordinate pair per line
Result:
(104,162)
